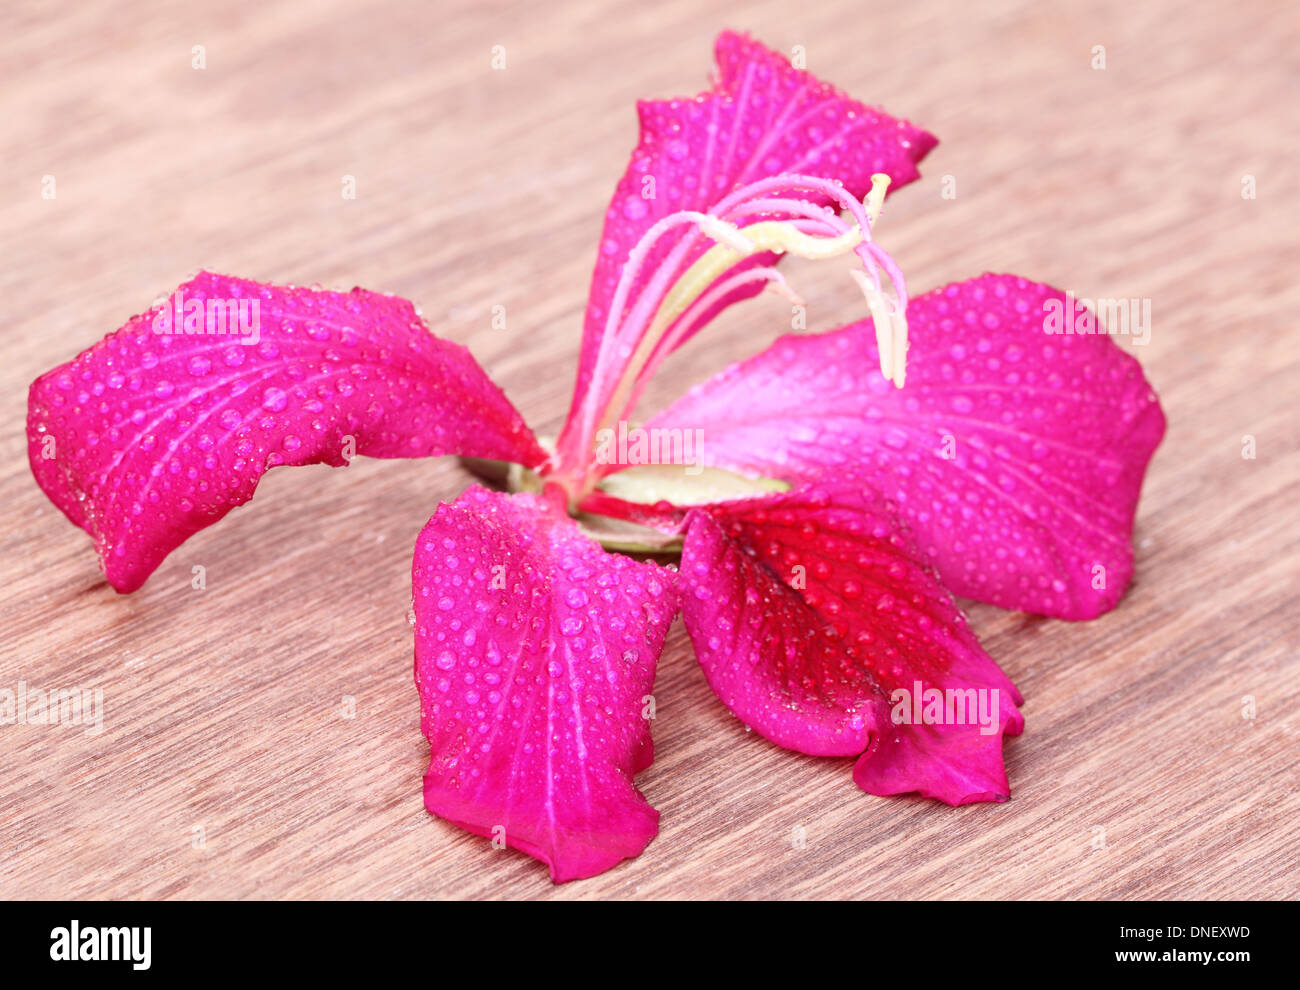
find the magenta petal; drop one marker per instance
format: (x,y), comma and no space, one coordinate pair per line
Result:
(810,609)
(535,656)
(955,765)
(155,432)
(762,117)
(1015,456)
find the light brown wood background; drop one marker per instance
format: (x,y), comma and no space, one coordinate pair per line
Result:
(224,708)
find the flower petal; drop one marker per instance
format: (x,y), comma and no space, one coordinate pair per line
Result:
(810,609)
(158,431)
(761,118)
(1016,457)
(535,655)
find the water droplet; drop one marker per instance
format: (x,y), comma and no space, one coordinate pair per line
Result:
(274,399)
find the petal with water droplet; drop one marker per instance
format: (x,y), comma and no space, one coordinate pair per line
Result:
(811,611)
(195,412)
(761,118)
(537,722)
(1015,456)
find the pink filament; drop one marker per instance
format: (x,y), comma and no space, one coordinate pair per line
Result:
(688,322)
(756,199)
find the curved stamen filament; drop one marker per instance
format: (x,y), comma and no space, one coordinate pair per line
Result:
(832,190)
(671,305)
(629,390)
(880,317)
(616,333)
(810,183)
(630,272)
(876,198)
(780,237)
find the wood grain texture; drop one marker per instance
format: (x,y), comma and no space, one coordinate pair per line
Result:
(224,708)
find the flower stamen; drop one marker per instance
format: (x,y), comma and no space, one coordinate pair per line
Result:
(876,198)
(651,316)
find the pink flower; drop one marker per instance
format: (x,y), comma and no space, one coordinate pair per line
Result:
(843,487)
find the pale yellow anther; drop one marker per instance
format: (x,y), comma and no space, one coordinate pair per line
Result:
(734,245)
(785,238)
(727,234)
(876,198)
(879,308)
(899,348)
(890,325)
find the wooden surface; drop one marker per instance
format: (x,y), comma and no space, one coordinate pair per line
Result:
(227,766)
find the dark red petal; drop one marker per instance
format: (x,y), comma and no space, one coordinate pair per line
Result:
(761,118)
(1015,456)
(808,610)
(535,656)
(151,435)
